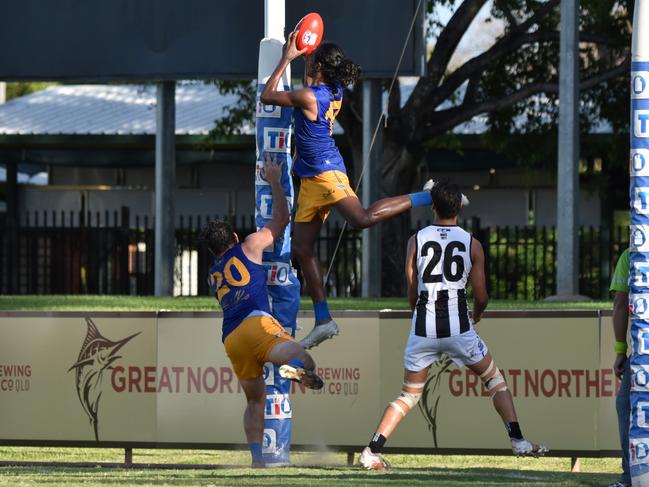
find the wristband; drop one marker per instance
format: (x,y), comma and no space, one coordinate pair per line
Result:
(620,347)
(423,198)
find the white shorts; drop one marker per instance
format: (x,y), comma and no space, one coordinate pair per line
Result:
(465,349)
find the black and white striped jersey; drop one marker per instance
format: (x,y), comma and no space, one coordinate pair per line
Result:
(443,264)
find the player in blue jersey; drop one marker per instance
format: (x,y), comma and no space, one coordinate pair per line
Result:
(321,168)
(251,335)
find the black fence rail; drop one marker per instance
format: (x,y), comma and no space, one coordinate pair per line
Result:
(112,253)
(521,262)
(47,255)
(193,258)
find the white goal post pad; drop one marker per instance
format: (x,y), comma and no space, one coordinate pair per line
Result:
(270,52)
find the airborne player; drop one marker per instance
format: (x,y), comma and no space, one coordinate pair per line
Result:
(321,168)
(441,259)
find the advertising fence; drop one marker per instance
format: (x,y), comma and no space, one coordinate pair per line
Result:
(163,380)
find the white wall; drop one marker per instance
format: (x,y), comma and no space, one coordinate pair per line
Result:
(508,207)
(546,208)
(227,189)
(206,203)
(208,190)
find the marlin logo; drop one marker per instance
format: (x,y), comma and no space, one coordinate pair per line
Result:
(97,355)
(430,397)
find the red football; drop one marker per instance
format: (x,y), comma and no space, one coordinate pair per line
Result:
(309,32)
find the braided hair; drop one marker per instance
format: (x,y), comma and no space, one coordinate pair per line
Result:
(336,69)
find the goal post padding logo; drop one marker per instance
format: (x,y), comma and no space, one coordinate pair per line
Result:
(639,266)
(273,137)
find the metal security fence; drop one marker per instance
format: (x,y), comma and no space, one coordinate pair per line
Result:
(65,253)
(521,262)
(112,253)
(193,259)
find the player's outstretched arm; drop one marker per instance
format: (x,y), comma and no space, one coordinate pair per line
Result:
(254,245)
(411,271)
(478,281)
(302,98)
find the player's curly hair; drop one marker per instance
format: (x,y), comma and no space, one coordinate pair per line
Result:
(335,67)
(218,235)
(447,199)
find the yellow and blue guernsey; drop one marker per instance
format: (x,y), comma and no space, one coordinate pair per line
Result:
(316,148)
(240,287)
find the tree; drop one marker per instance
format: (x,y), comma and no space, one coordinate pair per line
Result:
(514,82)
(14,90)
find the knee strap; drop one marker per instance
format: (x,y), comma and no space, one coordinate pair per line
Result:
(488,372)
(408,400)
(493,380)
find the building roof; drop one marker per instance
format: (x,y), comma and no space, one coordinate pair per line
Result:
(111,110)
(130,110)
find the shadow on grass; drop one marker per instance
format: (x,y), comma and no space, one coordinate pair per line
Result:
(439,477)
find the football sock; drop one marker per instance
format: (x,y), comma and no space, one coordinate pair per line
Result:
(296,363)
(376,445)
(321,311)
(514,430)
(422,198)
(255,450)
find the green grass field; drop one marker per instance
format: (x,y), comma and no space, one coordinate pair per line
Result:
(230,468)
(323,468)
(151,303)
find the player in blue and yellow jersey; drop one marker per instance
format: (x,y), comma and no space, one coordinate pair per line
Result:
(251,335)
(321,168)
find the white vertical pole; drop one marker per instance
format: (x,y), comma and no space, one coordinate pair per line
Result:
(638,447)
(273,133)
(640,42)
(274,19)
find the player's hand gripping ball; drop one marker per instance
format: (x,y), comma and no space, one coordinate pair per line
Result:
(309,32)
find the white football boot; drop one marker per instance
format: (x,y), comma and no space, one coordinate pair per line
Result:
(307,377)
(429,185)
(372,461)
(524,448)
(319,334)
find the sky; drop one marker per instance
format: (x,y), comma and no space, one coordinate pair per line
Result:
(38,178)
(478,38)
